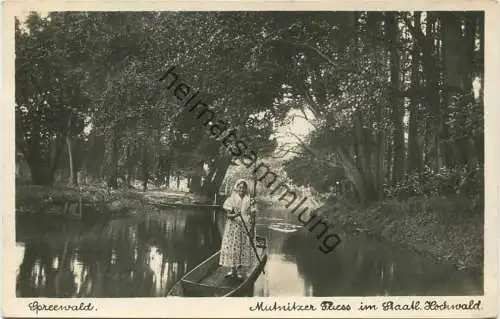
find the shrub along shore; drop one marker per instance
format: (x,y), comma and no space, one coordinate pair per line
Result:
(448,229)
(58,200)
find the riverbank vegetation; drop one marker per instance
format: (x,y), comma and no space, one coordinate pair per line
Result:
(64,201)
(401,138)
(447,229)
(393,100)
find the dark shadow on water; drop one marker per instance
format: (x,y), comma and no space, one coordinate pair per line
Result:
(143,256)
(131,257)
(361,266)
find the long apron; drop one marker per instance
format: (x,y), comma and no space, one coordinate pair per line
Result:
(236,249)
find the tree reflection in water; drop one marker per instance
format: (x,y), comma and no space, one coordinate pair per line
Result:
(145,255)
(363,266)
(133,257)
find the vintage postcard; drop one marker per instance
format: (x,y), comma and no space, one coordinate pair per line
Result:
(250,159)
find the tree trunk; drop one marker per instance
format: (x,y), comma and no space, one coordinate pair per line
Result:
(167,170)
(414,152)
(113,163)
(212,185)
(58,150)
(468,154)
(212,169)
(397,106)
(73,174)
(353,174)
(363,159)
(432,75)
(479,137)
(145,169)
(95,155)
(39,167)
(380,152)
(40,170)
(195,180)
(130,174)
(43,166)
(130,165)
(452,51)
(389,159)
(454,67)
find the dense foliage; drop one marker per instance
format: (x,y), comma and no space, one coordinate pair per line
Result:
(398,105)
(396,98)
(87,86)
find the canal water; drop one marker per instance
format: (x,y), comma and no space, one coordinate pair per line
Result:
(143,256)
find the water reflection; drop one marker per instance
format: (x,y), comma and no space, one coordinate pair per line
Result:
(145,255)
(359,266)
(135,257)
(362,266)
(282,277)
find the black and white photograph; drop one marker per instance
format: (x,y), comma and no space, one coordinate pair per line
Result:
(237,153)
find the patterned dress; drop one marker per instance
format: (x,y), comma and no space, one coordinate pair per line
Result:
(236,249)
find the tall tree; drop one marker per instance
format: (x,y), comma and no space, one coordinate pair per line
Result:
(393,35)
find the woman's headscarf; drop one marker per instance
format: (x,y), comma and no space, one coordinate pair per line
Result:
(238,182)
(234,200)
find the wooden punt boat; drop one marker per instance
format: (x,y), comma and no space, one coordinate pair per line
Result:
(186,205)
(208,279)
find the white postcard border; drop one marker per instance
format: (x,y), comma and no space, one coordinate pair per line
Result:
(239,307)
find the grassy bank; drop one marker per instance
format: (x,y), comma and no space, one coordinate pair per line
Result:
(59,200)
(449,229)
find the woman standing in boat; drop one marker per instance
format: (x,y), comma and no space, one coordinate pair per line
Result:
(236,250)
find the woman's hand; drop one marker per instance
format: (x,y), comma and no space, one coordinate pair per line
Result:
(233,214)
